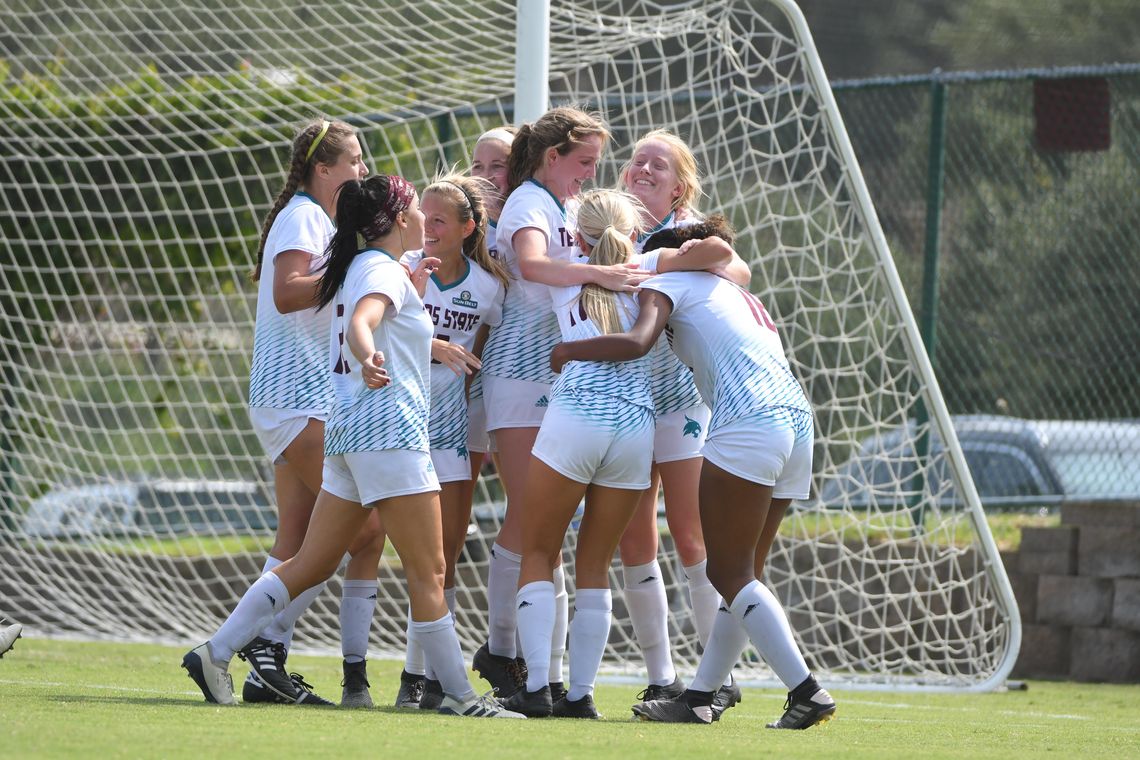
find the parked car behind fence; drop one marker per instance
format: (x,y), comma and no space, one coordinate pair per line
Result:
(1015,463)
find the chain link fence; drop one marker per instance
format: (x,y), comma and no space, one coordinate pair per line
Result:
(1010,203)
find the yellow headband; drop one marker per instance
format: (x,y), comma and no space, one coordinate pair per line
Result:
(320,136)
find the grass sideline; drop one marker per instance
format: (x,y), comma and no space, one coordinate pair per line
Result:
(70,699)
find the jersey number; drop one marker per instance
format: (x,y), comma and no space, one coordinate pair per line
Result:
(759,313)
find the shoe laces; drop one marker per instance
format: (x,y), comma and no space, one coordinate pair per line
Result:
(300,682)
(649,693)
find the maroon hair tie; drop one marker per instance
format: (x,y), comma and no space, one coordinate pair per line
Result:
(400,194)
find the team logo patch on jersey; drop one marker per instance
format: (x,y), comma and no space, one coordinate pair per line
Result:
(464,299)
(692,427)
(462,452)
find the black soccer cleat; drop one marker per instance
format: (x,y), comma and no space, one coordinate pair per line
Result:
(305,694)
(689,707)
(432,697)
(654,692)
(532,704)
(726,697)
(581,708)
(557,690)
(808,705)
(354,687)
(253,692)
(505,674)
(267,661)
(411,690)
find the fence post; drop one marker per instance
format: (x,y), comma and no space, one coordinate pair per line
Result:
(928,316)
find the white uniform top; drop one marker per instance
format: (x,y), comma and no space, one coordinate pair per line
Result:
(457,311)
(724,333)
(395,416)
(290,351)
(520,347)
(670,380)
(625,380)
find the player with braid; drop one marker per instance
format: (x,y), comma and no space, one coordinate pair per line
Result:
(595,441)
(757,458)
(662,174)
(290,393)
(464,299)
(377,459)
(550,160)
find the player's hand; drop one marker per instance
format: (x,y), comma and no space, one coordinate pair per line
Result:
(423,272)
(455,357)
(558,357)
(688,246)
(374,375)
(622,278)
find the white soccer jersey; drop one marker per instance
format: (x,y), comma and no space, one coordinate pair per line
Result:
(724,333)
(395,416)
(624,380)
(670,380)
(290,351)
(457,310)
(520,347)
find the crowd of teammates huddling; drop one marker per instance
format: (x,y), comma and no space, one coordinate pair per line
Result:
(511,312)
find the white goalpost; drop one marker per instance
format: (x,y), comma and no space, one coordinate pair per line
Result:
(141,147)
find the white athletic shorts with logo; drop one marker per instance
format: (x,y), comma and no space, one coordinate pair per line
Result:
(370,476)
(451,464)
(606,441)
(681,434)
(478,439)
(511,403)
(772,448)
(276,428)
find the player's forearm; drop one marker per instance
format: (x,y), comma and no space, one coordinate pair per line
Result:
(360,341)
(555,272)
(618,347)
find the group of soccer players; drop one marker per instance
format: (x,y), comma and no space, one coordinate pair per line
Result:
(530,327)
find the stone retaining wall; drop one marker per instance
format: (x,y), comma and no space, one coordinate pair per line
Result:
(1078,588)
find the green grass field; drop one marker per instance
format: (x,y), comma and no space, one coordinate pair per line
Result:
(67,699)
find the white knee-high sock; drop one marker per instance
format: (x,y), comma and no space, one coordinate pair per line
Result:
(428,671)
(589,632)
(561,622)
(649,613)
(357,604)
(281,629)
(414,656)
(704,598)
(535,621)
(502,586)
(264,599)
(763,618)
(722,652)
(441,648)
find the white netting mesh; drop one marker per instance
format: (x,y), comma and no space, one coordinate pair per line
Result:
(142,144)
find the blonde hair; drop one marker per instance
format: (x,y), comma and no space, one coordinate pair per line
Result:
(563,128)
(608,220)
(685,164)
(468,197)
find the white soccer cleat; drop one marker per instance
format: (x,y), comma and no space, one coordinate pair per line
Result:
(212,678)
(477,707)
(8,636)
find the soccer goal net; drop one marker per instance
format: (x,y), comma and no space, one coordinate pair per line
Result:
(141,145)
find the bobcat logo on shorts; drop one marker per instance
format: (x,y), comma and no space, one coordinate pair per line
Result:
(692,427)
(462,451)
(464,299)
